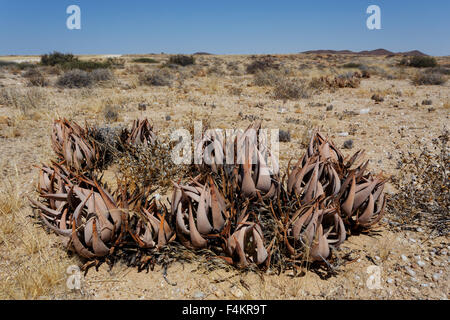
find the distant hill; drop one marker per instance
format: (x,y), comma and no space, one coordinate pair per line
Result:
(376,52)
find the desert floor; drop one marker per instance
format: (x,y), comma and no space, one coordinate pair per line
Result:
(414,262)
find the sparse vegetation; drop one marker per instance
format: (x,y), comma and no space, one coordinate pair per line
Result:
(262,64)
(159,77)
(145,60)
(181,60)
(419,62)
(75,79)
(290,89)
(68,61)
(35,78)
(428,79)
(102,75)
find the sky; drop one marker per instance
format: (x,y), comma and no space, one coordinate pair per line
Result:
(222,26)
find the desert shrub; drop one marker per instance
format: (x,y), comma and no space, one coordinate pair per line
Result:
(428,79)
(290,89)
(68,61)
(145,60)
(423,195)
(75,79)
(85,65)
(160,77)
(419,62)
(351,65)
(181,60)
(111,113)
(262,64)
(439,70)
(267,78)
(23,98)
(317,83)
(102,75)
(57,58)
(35,78)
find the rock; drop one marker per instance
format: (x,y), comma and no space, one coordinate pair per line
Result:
(420,263)
(427,102)
(419,229)
(348,144)
(377,258)
(364,111)
(168,118)
(389,280)
(142,106)
(410,271)
(235,291)
(377,98)
(436,276)
(343,134)
(199,295)
(431,109)
(330,107)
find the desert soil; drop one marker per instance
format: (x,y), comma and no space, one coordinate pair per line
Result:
(413,262)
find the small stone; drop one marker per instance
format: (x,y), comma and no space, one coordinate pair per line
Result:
(424,285)
(410,271)
(377,258)
(199,295)
(142,106)
(436,276)
(419,229)
(431,109)
(436,263)
(348,144)
(420,263)
(389,280)
(343,134)
(364,111)
(237,292)
(404,258)
(427,102)
(330,107)
(413,240)
(168,118)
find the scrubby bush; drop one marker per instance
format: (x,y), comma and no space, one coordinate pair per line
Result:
(440,70)
(145,60)
(57,58)
(102,75)
(267,78)
(24,99)
(181,60)
(428,79)
(419,62)
(35,78)
(262,64)
(75,79)
(351,65)
(291,89)
(160,77)
(85,65)
(68,61)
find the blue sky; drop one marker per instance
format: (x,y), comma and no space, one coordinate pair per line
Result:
(222,27)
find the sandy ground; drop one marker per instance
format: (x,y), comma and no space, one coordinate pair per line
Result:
(414,263)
